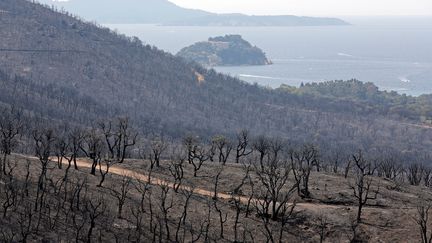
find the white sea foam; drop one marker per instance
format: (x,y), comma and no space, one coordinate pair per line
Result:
(399,89)
(344,54)
(405,80)
(260,77)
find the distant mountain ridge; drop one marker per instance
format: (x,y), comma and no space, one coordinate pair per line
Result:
(127,11)
(166,13)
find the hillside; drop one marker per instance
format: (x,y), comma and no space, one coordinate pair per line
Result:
(229,50)
(68,71)
(166,13)
(133,207)
(367,95)
(104,139)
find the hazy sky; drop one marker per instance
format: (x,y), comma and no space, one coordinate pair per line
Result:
(314,7)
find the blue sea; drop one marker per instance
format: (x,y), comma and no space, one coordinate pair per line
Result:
(393,53)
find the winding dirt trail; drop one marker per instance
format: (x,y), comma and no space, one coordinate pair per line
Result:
(199,191)
(117,170)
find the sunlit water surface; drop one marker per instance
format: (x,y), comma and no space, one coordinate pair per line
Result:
(395,54)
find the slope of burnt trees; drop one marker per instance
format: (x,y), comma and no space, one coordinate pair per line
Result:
(68,71)
(41,200)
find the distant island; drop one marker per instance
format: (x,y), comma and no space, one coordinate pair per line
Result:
(228,50)
(164,12)
(255,20)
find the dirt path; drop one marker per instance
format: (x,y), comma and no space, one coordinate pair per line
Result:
(418,125)
(198,191)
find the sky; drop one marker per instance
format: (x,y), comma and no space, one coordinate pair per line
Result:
(314,7)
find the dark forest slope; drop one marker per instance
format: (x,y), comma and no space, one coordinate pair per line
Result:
(60,68)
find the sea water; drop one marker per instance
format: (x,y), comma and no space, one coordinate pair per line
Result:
(393,53)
